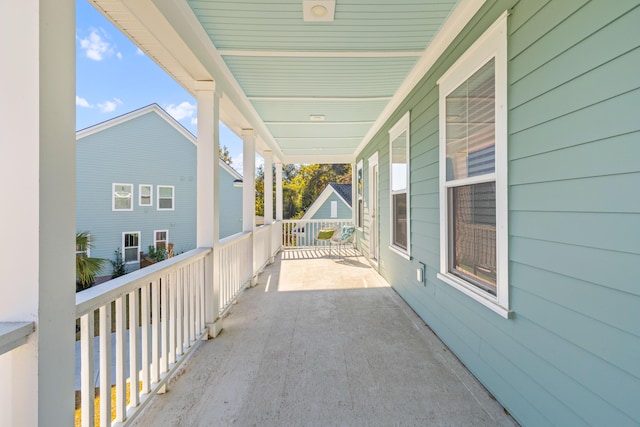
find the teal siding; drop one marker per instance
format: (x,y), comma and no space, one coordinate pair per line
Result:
(324,211)
(571,354)
(230,205)
(143,150)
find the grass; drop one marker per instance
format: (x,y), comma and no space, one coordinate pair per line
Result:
(96,403)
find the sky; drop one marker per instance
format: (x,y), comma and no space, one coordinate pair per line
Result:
(114,77)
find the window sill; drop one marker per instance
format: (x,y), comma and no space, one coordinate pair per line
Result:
(491,304)
(400,252)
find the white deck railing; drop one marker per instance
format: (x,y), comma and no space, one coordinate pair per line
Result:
(261,247)
(276,237)
(156,316)
(303,233)
(159,315)
(234,267)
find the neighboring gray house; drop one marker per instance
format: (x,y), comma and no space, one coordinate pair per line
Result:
(136,186)
(333,203)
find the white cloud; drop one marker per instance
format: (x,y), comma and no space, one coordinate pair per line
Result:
(119,55)
(81,102)
(139,52)
(109,106)
(238,164)
(194,120)
(95,46)
(182,111)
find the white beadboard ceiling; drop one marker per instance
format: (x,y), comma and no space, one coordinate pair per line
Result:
(274,70)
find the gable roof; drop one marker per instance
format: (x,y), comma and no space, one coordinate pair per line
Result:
(344,191)
(153,108)
(332,188)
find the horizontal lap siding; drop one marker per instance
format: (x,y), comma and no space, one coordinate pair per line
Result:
(230,205)
(571,355)
(324,211)
(144,150)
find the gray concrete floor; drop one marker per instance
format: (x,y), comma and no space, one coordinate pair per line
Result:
(323,341)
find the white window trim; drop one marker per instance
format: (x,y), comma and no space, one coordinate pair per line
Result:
(87,250)
(155,239)
(173,198)
(140,195)
(113,199)
(492,44)
(360,197)
(139,246)
(401,125)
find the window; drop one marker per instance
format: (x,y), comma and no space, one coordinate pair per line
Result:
(334,209)
(473,163)
(161,237)
(360,189)
(165,197)
(399,177)
(122,197)
(145,194)
(84,250)
(131,246)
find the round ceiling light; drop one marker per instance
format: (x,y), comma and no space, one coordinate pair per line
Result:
(318,10)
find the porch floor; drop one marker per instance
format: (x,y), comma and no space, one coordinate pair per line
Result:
(323,341)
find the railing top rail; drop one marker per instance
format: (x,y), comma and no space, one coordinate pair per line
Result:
(329,221)
(234,238)
(14,334)
(93,298)
(262,228)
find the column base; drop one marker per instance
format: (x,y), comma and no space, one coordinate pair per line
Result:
(215,328)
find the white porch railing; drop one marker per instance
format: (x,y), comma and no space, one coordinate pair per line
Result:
(299,233)
(276,237)
(156,316)
(261,247)
(14,334)
(153,317)
(162,306)
(234,267)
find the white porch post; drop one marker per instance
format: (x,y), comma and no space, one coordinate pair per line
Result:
(354,193)
(207,195)
(278,191)
(37,165)
(268,187)
(268,197)
(249,189)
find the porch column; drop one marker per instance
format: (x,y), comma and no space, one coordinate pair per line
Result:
(278,191)
(37,167)
(249,191)
(207,195)
(268,187)
(354,193)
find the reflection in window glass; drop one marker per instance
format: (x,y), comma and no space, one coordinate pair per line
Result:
(473,234)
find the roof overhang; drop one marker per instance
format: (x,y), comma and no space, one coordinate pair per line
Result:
(181,36)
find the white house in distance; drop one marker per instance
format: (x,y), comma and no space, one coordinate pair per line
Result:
(136,186)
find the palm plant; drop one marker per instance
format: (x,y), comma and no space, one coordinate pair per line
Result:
(86,267)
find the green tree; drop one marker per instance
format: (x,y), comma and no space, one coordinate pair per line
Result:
(223,153)
(302,184)
(86,267)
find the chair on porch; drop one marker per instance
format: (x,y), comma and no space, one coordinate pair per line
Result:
(325,234)
(343,237)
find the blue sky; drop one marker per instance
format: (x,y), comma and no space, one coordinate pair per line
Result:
(113,77)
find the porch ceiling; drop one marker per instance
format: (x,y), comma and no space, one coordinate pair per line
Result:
(312,91)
